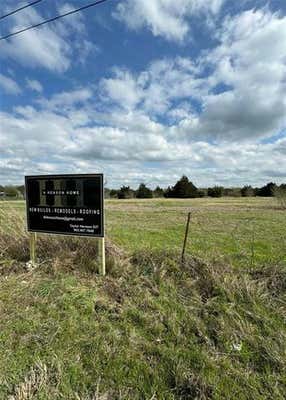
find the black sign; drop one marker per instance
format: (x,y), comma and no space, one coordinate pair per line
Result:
(65,204)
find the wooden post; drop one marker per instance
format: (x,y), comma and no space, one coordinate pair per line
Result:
(102,269)
(33,255)
(186,237)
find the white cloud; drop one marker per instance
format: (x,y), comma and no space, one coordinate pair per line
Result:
(63,101)
(122,89)
(243,98)
(174,117)
(35,85)
(9,85)
(251,61)
(155,88)
(129,148)
(166,18)
(49,46)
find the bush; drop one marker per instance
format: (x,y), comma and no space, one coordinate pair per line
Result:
(247,191)
(11,191)
(280,194)
(125,192)
(216,191)
(232,192)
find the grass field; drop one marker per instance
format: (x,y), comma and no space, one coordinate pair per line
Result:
(213,328)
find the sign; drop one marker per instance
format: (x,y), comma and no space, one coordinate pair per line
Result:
(65,204)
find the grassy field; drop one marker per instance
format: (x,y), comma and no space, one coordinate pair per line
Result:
(213,328)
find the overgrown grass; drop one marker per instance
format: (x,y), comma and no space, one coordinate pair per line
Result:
(152,329)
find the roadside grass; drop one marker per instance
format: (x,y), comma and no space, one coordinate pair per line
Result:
(213,328)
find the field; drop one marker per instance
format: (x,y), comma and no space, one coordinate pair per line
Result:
(154,328)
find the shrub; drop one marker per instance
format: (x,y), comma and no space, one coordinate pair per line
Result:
(280,195)
(216,191)
(247,191)
(11,191)
(125,192)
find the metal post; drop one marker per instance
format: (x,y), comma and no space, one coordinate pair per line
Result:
(102,269)
(33,256)
(186,237)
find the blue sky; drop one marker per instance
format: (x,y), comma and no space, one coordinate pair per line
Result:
(145,91)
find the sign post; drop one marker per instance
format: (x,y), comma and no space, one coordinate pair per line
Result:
(102,256)
(66,205)
(33,257)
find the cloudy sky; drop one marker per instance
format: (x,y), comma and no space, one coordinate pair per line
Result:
(145,91)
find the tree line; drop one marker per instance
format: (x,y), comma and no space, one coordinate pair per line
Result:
(10,191)
(183,188)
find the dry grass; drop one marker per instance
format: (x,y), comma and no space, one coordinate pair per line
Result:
(65,252)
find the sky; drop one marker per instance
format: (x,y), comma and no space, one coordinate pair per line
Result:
(146,91)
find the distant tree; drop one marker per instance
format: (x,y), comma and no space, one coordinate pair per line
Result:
(106,193)
(125,192)
(267,190)
(201,193)
(232,192)
(247,191)
(143,192)
(21,189)
(113,194)
(158,192)
(11,191)
(183,189)
(216,191)
(168,192)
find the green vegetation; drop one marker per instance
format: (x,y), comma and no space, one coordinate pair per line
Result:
(213,328)
(183,189)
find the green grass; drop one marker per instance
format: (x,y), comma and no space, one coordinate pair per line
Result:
(241,231)
(213,328)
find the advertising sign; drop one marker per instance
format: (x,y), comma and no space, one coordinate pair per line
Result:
(65,204)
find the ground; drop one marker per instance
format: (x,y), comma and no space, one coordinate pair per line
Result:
(154,328)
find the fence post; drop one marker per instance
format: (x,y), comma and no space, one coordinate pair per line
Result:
(186,237)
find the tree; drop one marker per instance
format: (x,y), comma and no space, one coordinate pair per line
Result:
(201,193)
(11,191)
(113,194)
(143,192)
(21,189)
(125,192)
(216,191)
(247,191)
(158,192)
(267,190)
(183,189)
